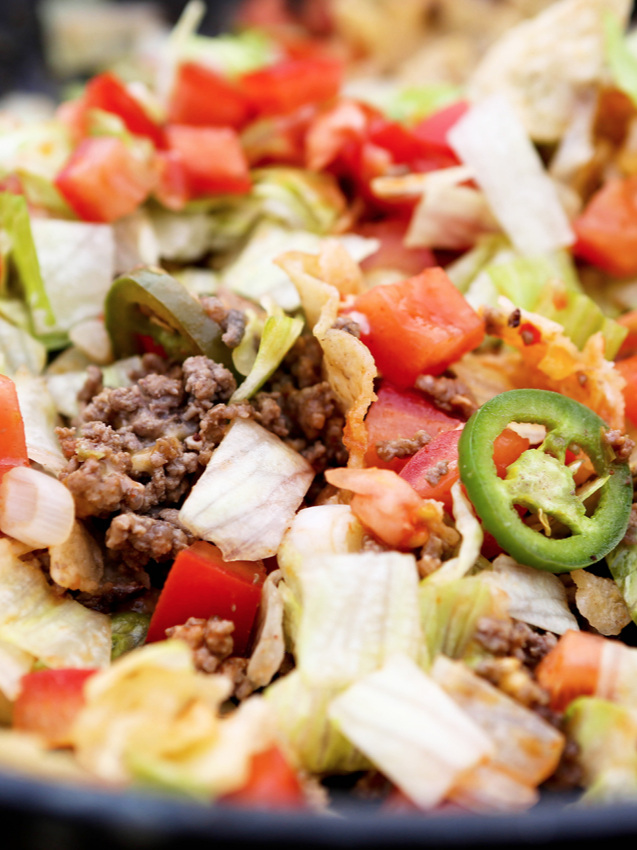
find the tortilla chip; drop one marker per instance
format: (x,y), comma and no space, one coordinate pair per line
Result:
(600,601)
(349,366)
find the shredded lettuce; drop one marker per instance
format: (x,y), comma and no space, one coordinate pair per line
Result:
(491,139)
(358,609)
(606,735)
(248,493)
(450,612)
(621,59)
(535,597)
(57,630)
(280,332)
(414,103)
(14,221)
(411,730)
(472,536)
(303,725)
(19,350)
(70,253)
(40,418)
(151,716)
(622,563)
(231,55)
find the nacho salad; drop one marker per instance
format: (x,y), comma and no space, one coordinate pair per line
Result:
(318,411)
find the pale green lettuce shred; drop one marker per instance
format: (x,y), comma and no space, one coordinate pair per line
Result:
(231,55)
(413,103)
(606,736)
(19,350)
(244,355)
(279,334)
(535,597)
(622,563)
(254,275)
(248,494)
(450,613)
(358,610)
(58,631)
(77,264)
(15,223)
(40,418)
(312,740)
(471,543)
(621,56)
(411,730)
(152,718)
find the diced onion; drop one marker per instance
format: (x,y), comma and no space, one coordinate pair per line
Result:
(35,508)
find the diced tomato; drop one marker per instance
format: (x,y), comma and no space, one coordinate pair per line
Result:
(211,159)
(272,784)
(278,138)
(13,446)
(201,584)
(399,414)
(418,326)
(291,83)
(48,703)
(108,92)
(104,179)
(571,669)
(629,345)
(410,148)
(607,228)
(434,129)
(202,97)
(433,470)
(392,252)
(628,370)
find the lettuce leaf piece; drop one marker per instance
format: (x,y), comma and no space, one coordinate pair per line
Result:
(70,253)
(253,274)
(19,350)
(527,746)
(358,610)
(40,417)
(56,630)
(249,492)
(280,332)
(621,59)
(231,54)
(411,730)
(14,664)
(622,563)
(606,734)
(307,733)
(535,597)
(14,221)
(450,612)
(470,545)
(414,103)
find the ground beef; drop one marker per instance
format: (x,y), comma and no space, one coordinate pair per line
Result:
(141,539)
(210,640)
(232,322)
(621,444)
(514,679)
(387,450)
(212,644)
(515,639)
(450,395)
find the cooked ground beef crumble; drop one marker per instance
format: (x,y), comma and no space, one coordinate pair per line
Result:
(135,452)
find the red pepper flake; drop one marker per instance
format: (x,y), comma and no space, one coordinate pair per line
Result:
(530,334)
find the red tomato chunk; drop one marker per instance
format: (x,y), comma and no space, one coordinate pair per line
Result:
(48,703)
(202,584)
(13,446)
(418,326)
(272,784)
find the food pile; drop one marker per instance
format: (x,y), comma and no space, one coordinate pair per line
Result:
(318,413)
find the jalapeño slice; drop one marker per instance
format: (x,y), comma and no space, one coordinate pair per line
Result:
(150,304)
(540,481)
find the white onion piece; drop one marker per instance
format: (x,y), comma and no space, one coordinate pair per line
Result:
(35,508)
(491,139)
